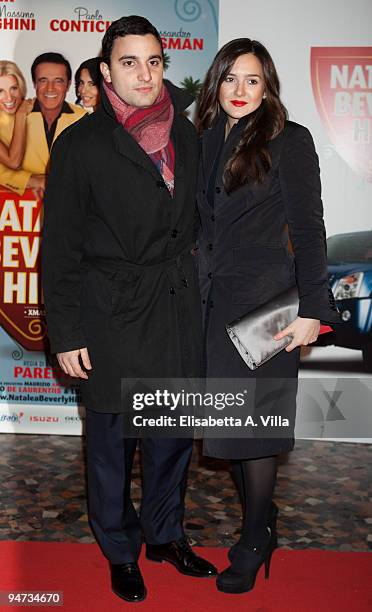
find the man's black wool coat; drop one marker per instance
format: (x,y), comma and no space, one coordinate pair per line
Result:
(118,274)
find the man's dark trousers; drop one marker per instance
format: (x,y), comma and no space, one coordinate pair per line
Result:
(112,515)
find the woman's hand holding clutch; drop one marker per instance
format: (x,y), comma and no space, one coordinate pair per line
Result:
(303,332)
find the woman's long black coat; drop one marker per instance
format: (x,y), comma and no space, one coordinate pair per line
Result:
(118,274)
(244,260)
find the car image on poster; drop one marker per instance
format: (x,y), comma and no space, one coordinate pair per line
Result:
(350,276)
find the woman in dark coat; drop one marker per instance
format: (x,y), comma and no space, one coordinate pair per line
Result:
(259,187)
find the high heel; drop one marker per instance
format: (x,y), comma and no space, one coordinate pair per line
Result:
(240,576)
(272,524)
(267,560)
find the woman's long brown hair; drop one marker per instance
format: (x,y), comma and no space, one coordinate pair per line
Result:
(251,158)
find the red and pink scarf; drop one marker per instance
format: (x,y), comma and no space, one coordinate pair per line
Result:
(150,127)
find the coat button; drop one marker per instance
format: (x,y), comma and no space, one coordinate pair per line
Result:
(203,301)
(184,282)
(213,218)
(174,233)
(218,189)
(172,291)
(203,192)
(210,247)
(211,303)
(209,274)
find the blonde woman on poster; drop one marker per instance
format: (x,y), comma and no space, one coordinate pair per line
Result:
(13,113)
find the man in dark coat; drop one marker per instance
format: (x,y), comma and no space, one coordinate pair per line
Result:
(121,290)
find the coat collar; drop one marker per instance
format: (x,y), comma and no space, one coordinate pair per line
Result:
(213,141)
(127,146)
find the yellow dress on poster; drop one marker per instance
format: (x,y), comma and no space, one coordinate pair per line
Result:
(36,157)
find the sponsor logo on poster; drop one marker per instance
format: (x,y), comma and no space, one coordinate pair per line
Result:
(13,417)
(342,86)
(43,418)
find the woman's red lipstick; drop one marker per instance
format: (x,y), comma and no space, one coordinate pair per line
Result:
(238,102)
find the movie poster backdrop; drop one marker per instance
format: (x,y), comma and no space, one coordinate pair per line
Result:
(35,396)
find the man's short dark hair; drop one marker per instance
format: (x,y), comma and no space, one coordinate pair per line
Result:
(133,24)
(51,58)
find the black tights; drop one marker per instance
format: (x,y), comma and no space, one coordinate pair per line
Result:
(255,479)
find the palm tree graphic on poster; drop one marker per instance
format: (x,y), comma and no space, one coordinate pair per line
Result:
(192,86)
(189,84)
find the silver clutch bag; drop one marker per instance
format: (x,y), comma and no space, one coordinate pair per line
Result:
(253,333)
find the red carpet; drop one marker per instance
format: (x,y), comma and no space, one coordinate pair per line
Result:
(300,581)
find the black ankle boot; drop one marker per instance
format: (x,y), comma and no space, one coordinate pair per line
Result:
(272,523)
(240,576)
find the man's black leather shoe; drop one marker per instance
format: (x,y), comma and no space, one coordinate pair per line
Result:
(127,581)
(181,555)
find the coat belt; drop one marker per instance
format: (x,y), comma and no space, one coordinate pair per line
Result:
(121,265)
(178,284)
